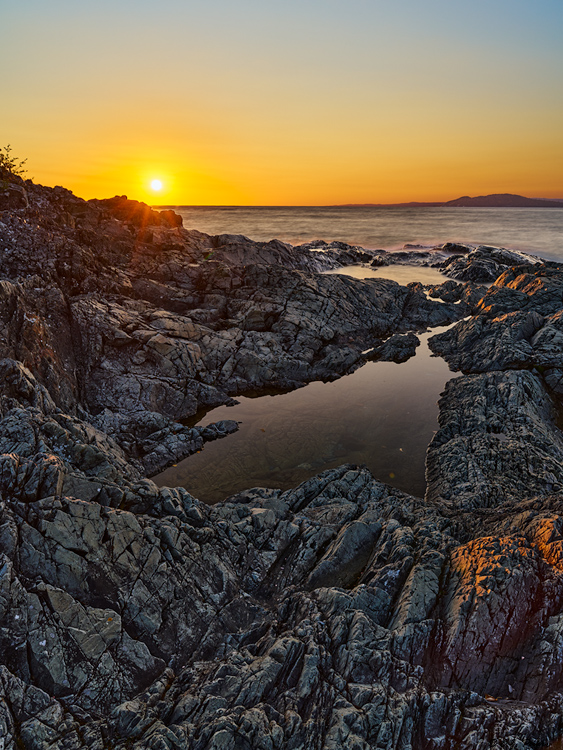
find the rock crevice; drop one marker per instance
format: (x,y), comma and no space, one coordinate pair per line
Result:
(341,613)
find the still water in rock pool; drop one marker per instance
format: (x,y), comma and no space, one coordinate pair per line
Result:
(402,274)
(383,415)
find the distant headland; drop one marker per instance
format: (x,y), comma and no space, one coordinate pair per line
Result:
(495,200)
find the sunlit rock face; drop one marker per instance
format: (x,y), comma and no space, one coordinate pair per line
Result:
(341,613)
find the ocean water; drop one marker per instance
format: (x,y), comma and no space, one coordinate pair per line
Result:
(534,230)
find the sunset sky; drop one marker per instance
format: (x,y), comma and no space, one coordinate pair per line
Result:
(300,102)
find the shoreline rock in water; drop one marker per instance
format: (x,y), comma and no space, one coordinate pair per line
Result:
(341,613)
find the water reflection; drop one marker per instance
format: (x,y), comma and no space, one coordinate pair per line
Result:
(402,274)
(383,416)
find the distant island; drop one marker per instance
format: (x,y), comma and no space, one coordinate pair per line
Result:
(496,200)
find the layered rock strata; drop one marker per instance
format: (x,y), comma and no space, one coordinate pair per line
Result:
(341,613)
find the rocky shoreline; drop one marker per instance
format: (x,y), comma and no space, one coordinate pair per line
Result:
(341,613)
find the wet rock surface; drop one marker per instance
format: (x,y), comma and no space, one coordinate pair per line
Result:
(341,613)
(481,264)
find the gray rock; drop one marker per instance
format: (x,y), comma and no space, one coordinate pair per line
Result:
(341,613)
(498,439)
(484,263)
(397,348)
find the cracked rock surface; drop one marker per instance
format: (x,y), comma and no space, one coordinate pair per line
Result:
(341,613)
(122,313)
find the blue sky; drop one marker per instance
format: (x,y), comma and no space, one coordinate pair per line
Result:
(227,90)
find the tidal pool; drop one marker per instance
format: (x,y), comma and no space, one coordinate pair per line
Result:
(383,416)
(402,274)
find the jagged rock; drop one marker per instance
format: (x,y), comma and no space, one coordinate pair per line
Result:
(498,439)
(238,250)
(341,613)
(482,343)
(284,329)
(457,247)
(137,213)
(525,287)
(343,585)
(397,348)
(342,254)
(484,264)
(466,294)
(128,326)
(12,196)
(519,325)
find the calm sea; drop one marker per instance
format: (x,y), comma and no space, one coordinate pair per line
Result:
(534,230)
(382,416)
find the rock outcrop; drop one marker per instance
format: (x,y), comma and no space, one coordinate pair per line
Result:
(341,613)
(118,310)
(483,264)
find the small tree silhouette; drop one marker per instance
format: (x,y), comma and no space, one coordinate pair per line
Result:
(10,167)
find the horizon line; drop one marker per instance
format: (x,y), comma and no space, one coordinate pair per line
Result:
(397,204)
(407,204)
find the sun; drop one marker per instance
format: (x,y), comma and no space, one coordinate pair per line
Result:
(156,185)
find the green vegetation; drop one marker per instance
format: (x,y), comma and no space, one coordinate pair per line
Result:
(10,166)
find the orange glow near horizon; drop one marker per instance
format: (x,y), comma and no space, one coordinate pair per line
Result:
(300,104)
(382,173)
(379,162)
